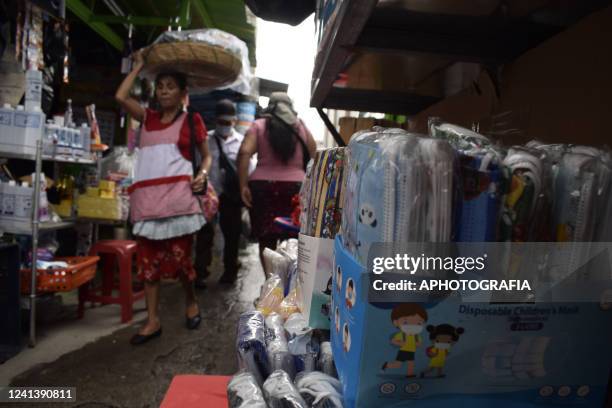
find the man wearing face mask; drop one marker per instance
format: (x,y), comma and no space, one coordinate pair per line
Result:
(223,143)
(409,318)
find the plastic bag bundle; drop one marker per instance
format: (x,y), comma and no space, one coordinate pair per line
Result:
(320,390)
(526,202)
(278,349)
(271,295)
(243,392)
(281,393)
(325,362)
(210,58)
(277,263)
(291,303)
(289,248)
(483,181)
(251,345)
(303,345)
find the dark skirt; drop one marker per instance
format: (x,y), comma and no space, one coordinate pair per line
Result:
(271,199)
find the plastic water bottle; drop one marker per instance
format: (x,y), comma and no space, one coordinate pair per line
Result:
(7,122)
(68,114)
(8,199)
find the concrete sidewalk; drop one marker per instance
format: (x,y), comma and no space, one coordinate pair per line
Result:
(108,372)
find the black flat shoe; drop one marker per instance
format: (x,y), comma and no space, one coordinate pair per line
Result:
(139,339)
(200,284)
(192,323)
(227,279)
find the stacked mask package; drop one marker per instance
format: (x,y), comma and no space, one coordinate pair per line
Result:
(322,194)
(482,179)
(398,189)
(527,205)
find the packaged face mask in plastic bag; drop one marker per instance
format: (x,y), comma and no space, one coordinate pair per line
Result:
(251,345)
(278,349)
(276,263)
(291,302)
(271,295)
(320,390)
(281,393)
(289,248)
(325,363)
(384,191)
(302,344)
(244,392)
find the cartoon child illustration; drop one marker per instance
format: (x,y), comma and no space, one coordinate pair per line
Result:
(409,318)
(350,294)
(337,318)
(442,337)
(328,290)
(346,338)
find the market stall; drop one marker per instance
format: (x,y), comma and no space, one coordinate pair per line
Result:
(67,148)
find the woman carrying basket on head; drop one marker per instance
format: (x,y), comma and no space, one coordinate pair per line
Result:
(164,210)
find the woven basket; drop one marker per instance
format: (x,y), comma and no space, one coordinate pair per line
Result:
(206,66)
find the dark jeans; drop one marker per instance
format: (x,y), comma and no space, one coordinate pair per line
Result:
(230,221)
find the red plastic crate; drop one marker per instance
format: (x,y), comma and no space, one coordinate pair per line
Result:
(81,269)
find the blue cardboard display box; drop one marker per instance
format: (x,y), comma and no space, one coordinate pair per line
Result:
(467,354)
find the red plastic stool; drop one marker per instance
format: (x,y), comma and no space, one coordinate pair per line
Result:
(113,253)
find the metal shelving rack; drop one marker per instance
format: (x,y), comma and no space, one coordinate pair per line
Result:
(36,225)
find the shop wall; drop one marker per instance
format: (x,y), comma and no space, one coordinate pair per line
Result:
(558,92)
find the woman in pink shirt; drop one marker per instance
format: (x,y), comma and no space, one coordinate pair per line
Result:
(283,145)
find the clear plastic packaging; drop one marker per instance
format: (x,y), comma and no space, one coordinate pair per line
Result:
(276,263)
(289,248)
(281,393)
(244,392)
(271,295)
(303,345)
(527,191)
(291,303)
(399,188)
(200,70)
(325,362)
(278,349)
(482,180)
(251,345)
(320,390)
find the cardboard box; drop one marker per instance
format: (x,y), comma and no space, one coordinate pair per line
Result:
(315,264)
(556,98)
(501,355)
(99,208)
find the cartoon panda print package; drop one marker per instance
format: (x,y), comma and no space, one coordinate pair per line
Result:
(383,180)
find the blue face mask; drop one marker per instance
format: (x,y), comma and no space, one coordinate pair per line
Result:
(224,130)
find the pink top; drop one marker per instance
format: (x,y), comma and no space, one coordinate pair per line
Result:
(269,166)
